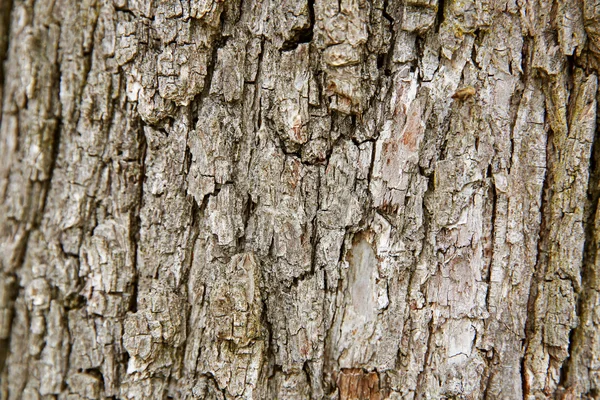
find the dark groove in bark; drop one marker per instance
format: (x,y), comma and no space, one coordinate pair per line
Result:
(13,289)
(440,15)
(488,374)
(37,211)
(55,147)
(422,373)
(304,35)
(5,14)
(541,259)
(136,220)
(427,229)
(579,342)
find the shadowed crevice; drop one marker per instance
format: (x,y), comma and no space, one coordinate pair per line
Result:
(303,35)
(440,15)
(136,220)
(579,356)
(5,12)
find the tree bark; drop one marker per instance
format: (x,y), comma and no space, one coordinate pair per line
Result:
(299,199)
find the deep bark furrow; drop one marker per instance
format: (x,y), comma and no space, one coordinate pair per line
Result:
(5,11)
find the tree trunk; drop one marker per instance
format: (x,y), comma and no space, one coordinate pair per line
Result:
(299,199)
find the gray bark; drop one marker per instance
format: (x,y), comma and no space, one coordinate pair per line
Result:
(299,199)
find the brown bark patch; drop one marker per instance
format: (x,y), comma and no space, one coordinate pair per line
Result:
(356,384)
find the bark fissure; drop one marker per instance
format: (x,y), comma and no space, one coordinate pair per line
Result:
(5,12)
(578,360)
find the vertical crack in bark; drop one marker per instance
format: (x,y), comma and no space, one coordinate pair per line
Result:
(494,200)
(489,361)
(54,147)
(37,205)
(136,220)
(5,14)
(13,292)
(306,370)
(578,343)
(440,15)
(427,223)
(218,42)
(541,260)
(422,373)
(257,93)
(315,226)
(385,60)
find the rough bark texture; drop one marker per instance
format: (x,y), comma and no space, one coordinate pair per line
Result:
(299,199)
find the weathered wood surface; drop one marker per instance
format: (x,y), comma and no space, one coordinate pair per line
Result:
(299,199)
